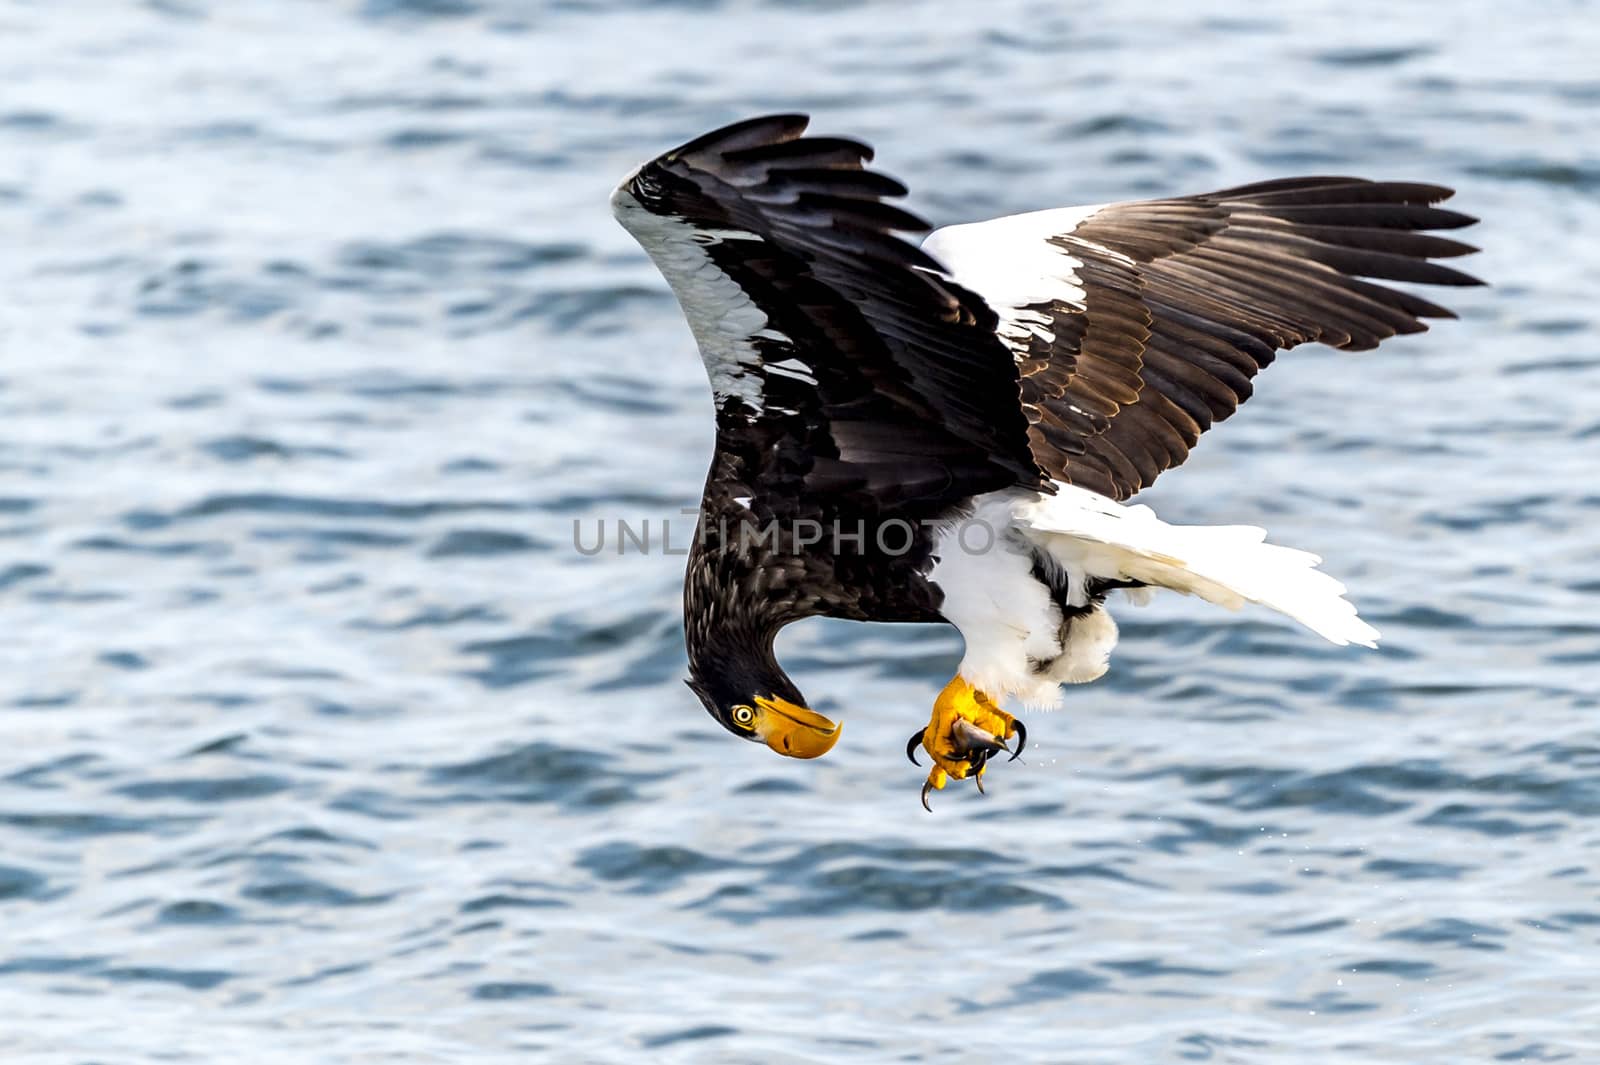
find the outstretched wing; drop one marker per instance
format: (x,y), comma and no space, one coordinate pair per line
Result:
(1137,325)
(844,361)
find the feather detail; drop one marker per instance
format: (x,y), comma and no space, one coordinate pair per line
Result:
(1091,537)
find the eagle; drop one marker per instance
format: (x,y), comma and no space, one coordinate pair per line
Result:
(950,431)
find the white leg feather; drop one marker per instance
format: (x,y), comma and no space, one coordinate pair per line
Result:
(1005,615)
(1086,654)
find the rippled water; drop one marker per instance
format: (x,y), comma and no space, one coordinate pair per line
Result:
(322,744)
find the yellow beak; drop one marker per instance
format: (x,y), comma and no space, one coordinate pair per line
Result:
(794,731)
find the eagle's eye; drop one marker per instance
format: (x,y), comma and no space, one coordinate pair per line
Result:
(743,716)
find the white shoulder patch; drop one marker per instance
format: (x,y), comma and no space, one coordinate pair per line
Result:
(1010,262)
(724,319)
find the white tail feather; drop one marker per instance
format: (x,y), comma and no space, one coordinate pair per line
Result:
(1090,535)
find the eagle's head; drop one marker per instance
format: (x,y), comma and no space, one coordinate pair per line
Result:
(744,688)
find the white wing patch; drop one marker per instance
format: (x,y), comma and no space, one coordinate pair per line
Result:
(1011,263)
(724,319)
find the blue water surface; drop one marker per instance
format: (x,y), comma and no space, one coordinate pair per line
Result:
(320,743)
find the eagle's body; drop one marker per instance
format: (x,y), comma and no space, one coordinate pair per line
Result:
(948,433)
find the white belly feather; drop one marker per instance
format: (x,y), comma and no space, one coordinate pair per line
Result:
(1016,643)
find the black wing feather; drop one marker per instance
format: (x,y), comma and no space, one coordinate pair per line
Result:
(914,406)
(1193,296)
(917,401)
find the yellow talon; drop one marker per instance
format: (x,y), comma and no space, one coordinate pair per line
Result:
(965,728)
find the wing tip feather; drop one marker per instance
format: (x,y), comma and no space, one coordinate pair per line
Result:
(756,131)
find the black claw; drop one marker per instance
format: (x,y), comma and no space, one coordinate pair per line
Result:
(927,786)
(978,780)
(911,747)
(1022,740)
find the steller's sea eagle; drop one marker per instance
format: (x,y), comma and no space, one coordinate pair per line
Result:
(949,432)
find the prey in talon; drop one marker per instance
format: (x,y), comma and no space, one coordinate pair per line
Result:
(946,426)
(966,729)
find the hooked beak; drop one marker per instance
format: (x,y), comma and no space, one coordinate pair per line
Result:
(794,731)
